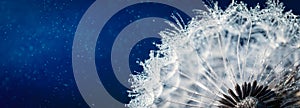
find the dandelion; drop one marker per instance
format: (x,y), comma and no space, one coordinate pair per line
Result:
(238,57)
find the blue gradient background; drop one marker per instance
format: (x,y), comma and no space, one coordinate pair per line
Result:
(36,51)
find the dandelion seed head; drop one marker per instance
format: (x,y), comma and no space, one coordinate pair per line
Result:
(237,57)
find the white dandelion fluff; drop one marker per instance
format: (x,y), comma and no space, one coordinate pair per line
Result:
(238,57)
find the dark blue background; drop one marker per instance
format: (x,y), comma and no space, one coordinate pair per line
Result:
(35,51)
(35,56)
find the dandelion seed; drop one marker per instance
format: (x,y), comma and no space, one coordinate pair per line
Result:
(238,57)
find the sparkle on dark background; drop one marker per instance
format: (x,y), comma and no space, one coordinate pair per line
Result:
(35,51)
(35,56)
